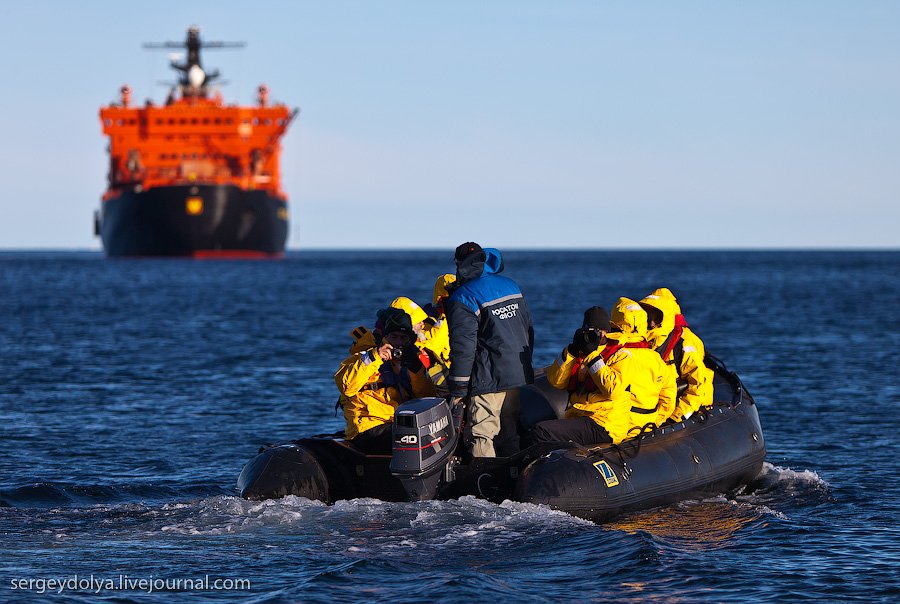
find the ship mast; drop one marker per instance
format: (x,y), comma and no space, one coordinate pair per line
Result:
(193,81)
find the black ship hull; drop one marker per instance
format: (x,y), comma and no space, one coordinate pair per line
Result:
(194,220)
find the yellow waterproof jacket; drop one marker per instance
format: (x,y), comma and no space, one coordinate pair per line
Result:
(363,339)
(437,345)
(633,388)
(437,341)
(570,373)
(442,287)
(368,398)
(685,358)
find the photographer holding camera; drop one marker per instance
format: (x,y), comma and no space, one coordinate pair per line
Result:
(570,371)
(616,387)
(376,380)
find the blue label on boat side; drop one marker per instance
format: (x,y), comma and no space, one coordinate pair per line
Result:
(608,475)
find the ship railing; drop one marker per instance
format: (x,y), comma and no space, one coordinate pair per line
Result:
(171,176)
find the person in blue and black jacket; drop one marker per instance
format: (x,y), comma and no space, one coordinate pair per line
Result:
(491,343)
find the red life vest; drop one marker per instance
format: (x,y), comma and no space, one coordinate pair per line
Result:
(423,356)
(674,337)
(611,350)
(574,384)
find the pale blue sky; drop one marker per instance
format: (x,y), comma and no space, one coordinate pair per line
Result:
(518,124)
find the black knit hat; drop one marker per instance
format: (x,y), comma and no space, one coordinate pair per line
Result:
(467,249)
(394,320)
(596,317)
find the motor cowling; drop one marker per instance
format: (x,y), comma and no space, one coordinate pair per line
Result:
(424,440)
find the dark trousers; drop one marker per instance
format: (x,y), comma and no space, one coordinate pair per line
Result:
(376,441)
(581,430)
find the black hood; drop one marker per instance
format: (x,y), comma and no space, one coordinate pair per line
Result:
(471,267)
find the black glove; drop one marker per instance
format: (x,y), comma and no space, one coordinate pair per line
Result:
(584,342)
(458,410)
(410,359)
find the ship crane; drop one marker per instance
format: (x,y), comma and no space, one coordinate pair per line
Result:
(194,79)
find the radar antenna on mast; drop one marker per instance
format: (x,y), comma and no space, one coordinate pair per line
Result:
(194,80)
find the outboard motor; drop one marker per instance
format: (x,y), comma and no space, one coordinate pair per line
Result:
(424,439)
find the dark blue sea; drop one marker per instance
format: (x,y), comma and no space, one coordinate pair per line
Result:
(133,391)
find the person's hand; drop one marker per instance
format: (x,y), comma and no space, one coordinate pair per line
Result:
(384,351)
(584,342)
(410,359)
(458,411)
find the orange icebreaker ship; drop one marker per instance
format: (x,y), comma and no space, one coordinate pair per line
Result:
(194,177)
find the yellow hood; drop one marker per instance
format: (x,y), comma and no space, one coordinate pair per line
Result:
(415,312)
(440,287)
(628,320)
(663,300)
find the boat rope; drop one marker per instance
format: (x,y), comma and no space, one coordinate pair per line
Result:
(629,448)
(626,470)
(702,414)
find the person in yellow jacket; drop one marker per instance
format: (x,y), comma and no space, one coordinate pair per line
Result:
(570,372)
(443,286)
(624,387)
(433,338)
(374,381)
(363,339)
(681,349)
(436,323)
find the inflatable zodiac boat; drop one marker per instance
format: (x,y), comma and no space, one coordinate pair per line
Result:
(711,452)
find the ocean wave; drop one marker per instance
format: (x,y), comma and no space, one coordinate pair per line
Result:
(778,488)
(409,524)
(56,494)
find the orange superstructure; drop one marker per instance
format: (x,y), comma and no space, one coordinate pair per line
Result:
(195,139)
